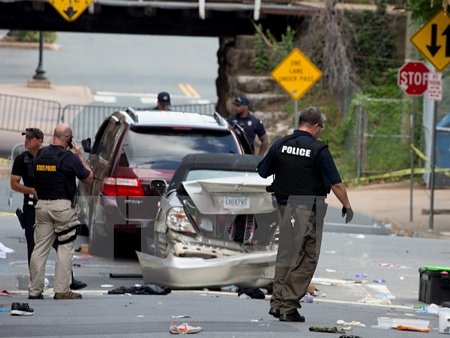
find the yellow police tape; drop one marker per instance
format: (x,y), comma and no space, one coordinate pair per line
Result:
(405,172)
(5,161)
(5,213)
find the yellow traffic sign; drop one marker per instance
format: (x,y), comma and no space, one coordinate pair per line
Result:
(433,41)
(70,9)
(296,74)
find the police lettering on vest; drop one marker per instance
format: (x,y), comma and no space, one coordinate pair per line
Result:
(296,151)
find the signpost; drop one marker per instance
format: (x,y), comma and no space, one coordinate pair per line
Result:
(412,78)
(433,41)
(296,74)
(70,9)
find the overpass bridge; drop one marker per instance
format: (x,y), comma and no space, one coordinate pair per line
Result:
(211,18)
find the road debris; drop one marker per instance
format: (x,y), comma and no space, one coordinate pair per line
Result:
(184,328)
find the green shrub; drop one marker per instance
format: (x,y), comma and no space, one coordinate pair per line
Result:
(33,36)
(269,51)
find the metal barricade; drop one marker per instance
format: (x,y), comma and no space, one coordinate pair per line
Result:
(16,112)
(86,119)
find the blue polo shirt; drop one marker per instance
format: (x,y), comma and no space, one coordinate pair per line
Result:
(252,126)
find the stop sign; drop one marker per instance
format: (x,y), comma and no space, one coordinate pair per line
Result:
(413,77)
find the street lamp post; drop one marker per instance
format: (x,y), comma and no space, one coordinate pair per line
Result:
(40,69)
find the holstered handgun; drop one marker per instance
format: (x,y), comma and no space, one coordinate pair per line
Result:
(19,214)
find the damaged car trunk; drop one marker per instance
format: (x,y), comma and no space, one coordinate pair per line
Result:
(216,225)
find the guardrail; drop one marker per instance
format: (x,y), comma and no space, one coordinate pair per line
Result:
(18,113)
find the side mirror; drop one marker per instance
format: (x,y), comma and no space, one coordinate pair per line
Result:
(159,186)
(86,144)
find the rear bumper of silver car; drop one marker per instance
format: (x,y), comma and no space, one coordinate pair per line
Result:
(246,270)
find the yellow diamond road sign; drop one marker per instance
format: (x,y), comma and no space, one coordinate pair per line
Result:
(296,74)
(70,9)
(433,41)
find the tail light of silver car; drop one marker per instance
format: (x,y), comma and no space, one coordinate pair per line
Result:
(177,220)
(120,186)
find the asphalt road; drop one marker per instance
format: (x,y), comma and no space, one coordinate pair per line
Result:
(388,288)
(124,68)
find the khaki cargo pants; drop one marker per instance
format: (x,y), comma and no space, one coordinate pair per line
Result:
(300,239)
(52,216)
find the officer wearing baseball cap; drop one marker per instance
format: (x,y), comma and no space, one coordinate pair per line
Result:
(163,102)
(252,126)
(34,133)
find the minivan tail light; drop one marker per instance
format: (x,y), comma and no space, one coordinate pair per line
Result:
(119,186)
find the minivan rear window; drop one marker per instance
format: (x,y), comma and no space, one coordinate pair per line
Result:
(164,148)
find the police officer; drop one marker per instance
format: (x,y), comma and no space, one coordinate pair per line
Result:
(23,170)
(304,172)
(56,170)
(163,102)
(253,127)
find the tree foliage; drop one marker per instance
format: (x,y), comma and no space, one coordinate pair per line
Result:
(424,10)
(268,50)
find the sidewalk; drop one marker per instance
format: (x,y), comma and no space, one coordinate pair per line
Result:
(390,203)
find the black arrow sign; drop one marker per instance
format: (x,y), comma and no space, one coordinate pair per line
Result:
(433,48)
(446,32)
(70,12)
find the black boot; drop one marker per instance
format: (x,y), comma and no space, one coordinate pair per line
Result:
(76,284)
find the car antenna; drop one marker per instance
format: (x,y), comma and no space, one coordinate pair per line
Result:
(219,119)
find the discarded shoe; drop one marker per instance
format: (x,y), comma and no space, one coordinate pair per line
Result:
(67,295)
(77,285)
(292,317)
(184,328)
(21,309)
(274,312)
(41,296)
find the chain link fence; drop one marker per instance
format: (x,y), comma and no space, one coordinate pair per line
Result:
(381,138)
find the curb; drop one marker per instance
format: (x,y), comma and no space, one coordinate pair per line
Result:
(4,43)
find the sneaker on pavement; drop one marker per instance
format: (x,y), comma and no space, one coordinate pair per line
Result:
(184,328)
(77,285)
(41,296)
(21,309)
(67,295)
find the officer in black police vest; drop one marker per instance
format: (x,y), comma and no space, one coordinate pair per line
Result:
(304,173)
(56,170)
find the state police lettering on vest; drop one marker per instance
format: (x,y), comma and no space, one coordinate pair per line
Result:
(51,182)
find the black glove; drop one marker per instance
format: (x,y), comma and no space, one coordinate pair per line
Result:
(348,213)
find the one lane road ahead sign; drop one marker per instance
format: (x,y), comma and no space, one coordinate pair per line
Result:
(296,74)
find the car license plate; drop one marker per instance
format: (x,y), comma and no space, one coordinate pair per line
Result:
(241,202)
